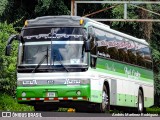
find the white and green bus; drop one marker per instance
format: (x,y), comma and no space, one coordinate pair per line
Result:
(71,61)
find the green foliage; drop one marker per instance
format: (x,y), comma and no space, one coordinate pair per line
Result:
(131,28)
(51,7)
(154,110)
(156,55)
(3,5)
(15,11)
(8,103)
(63,109)
(118,13)
(8,66)
(155,43)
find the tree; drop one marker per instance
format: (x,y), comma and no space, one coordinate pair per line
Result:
(8,66)
(17,11)
(51,7)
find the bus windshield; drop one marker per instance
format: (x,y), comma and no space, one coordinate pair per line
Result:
(61,47)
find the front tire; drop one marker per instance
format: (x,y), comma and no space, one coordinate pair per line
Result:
(105,105)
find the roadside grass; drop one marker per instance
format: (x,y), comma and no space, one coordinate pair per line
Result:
(153,110)
(8,103)
(63,109)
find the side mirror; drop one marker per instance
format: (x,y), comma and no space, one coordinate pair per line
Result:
(87,46)
(8,50)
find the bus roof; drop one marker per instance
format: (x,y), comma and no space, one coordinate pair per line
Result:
(54,20)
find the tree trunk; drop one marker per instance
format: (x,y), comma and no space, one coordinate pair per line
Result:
(146,26)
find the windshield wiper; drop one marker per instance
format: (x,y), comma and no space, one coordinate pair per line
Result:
(60,63)
(41,61)
(63,65)
(39,64)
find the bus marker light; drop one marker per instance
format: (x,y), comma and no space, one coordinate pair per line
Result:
(81,21)
(26,23)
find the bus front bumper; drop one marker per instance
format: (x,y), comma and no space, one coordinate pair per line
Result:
(54,93)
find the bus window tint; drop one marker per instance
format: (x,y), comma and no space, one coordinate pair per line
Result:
(36,31)
(144,58)
(113,52)
(102,43)
(132,56)
(112,42)
(123,55)
(140,57)
(119,48)
(147,58)
(102,52)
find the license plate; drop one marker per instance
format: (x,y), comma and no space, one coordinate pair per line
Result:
(51,94)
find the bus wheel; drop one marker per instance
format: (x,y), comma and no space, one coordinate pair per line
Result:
(104,106)
(140,102)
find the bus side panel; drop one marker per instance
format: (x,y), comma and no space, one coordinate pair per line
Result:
(96,90)
(148,96)
(113,91)
(125,93)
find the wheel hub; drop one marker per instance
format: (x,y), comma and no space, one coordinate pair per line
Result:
(104,100)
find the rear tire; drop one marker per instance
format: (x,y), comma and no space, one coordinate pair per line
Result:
(140,102)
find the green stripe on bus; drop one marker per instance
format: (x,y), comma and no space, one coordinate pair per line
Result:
(119,67)
(119,74)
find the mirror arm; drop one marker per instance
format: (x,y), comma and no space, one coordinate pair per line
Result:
(10,40)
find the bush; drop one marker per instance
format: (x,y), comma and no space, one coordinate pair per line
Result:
(8,64)
(154,110)
(8,103)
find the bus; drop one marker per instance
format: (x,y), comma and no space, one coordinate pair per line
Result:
(72,61)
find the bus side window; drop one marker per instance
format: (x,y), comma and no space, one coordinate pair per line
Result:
(123,55)
(147,58)
(113,53)
(143,57)
(140,58)
(103,52)
(132,58)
